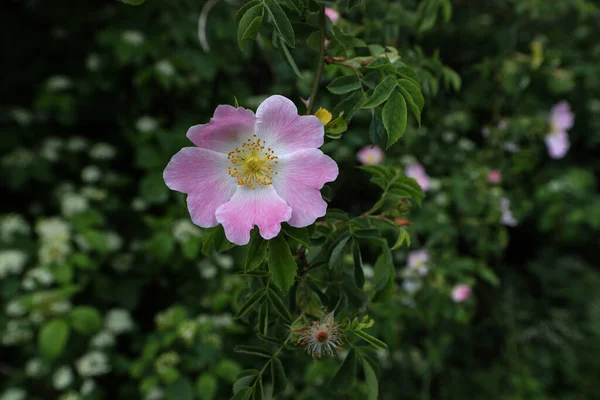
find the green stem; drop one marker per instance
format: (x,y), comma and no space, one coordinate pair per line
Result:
(322,54)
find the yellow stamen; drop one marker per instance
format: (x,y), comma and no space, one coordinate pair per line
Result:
(253,164)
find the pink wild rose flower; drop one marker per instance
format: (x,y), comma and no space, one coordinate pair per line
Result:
(461,293)
(370,155)
(417,172)
(494,176)
(249,170)
(561,119)
(419,260)
(332,14)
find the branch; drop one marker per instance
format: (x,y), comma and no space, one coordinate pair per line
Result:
(322,54)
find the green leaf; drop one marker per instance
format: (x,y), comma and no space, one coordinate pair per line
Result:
(300,235)
(288,57)
(279,306)
(350,105)
(263,318)
(353,3)
(381,93)
(278,376)
(383,64)
(403,237)
(376,128)
(244,379)
(243,394)
(250,23)
(407,72)
(258,389)
(207,386)
(345,377)
(153,189)
(258,295)
(181,389)
(281,22)
(394,118)
(344,84)
(359,274)
(337,127)
(373,341)
(257,251)
(52,338)
(413,97)
(338,249)
(282,265)
(242,11)
(133,2)
(371,380)
(86,320)
(255,351)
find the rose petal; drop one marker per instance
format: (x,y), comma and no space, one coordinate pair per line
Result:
(225,131)
(247,207)
(202,174)
(280,126)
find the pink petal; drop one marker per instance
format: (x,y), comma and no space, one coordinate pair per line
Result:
(301,175)
(558,144)
(225,131)
(247,207)
(202,174)
(561,117)
(280,126)
(371,155)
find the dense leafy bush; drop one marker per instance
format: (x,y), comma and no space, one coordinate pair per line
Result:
(476,279)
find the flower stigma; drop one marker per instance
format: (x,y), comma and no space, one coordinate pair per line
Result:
(253,163)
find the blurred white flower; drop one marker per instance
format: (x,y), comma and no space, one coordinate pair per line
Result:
(94,193)
(73,203)
(11,262)
(16,332)
(113,241)
(225,261)
(207,269)
(92,364)
(138,204)
(58,82)
(154,394)
(184,229)
(419,261)
(22,116)
(51,148)
(19,158)
(134,38)
(62,378)
(88,387)
(165,68)
(118,321)
(434,184)
(411,286)
(91,174)
(466,144)
(146,124)
(92,62)
(34,368)
(61,307)
(13,394)
(103,151)
(223,320)
(187,330)
(11,225)
(368,271)
(52,229)
(15,309)
(103,339)
(53,252)
(76,143)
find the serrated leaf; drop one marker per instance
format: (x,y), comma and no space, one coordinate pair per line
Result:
(413,97)
(52,338)
(257,251)
(371,380)
(376,128)
(250,23)
(345,377)
(394,118)
(300,235)
(255,351)
(350,105)
(281,22)
(257,296)
(278,377)
(381,93)
(279,306)
(359,274)
(282,265)
(344,84)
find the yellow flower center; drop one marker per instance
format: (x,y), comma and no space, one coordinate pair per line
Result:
(253,163)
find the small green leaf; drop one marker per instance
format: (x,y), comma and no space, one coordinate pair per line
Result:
(338,249)
(243,394)
(255,351)
(258,295)
(250,23)
(337,126)
(394,118)
(258,389)
(413,97)
(181,389)
(282,265)
(350,105)
(207,386)
(288,57)
(281,22)
(407,72)
(257,251)
(278,376)
(86,320)
(371,380)
(240,13)
(345,377)
(344,84)
(359,274)
(381,93)
(300,235)
(403,237)
(376,129)
(52,338)
(244,379)
(373,341)
(279,306)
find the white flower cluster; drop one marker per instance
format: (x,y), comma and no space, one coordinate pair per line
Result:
(12,225)
(16,332)
(118,321)
(92,364)
(133,38)
(11,262)
(103,151)
(146,124)
(55,238)
(50,149)
(184,229)
(18,158)
(73,203)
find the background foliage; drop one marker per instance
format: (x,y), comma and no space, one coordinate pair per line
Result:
(107,290)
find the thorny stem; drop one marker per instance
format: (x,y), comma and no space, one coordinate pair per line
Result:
(322,54)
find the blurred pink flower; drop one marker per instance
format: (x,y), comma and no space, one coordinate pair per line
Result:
(461,293)
(417,172)
(494,176)
(418,260)
(561,119)
(370,155)
(332,14)
(249,170)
